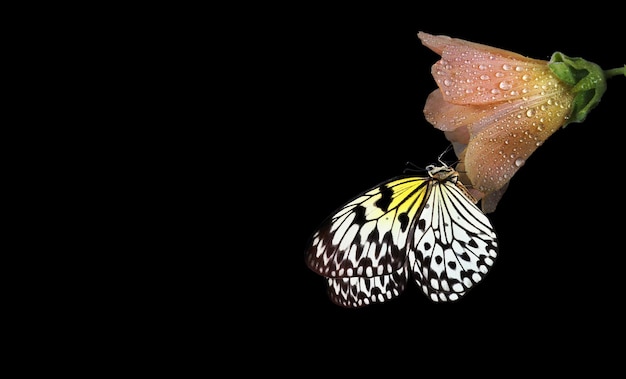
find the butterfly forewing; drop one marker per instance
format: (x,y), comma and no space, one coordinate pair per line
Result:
(454,245)
(367,237)
(428,227)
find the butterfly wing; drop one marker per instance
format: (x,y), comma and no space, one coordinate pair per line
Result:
(358,291)
(454,244)
(362,248)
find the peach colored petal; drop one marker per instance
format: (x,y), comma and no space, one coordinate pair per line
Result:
(451,117)
(496,152)
(500,137)
(459,139)
(446,116)
(438,43)
(488,201)
(491,200)
(471,73)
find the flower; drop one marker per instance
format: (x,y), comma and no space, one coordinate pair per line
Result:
(497,107)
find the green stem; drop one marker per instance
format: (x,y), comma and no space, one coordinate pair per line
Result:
(615,71)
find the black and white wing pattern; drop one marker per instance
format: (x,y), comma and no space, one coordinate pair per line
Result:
(428,228)
(454,244)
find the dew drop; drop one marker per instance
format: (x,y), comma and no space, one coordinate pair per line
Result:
(505,85)
(447,82)
(519,162)
(484,77)
(530,112)
(506,67)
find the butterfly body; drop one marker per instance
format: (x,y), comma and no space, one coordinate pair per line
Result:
(428,228)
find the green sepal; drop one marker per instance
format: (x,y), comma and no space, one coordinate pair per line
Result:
(587,80)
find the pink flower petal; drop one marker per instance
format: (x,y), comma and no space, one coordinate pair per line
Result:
(447,116)
(507,138)
(471,73)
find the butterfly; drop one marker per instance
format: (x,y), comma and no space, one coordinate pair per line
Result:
(425,227)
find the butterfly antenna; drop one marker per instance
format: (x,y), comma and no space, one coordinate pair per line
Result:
(458,161)
(447,150)
(410,168)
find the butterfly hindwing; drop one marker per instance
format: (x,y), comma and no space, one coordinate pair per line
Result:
(360,291)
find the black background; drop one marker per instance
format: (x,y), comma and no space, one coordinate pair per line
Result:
(245,129)
(351,87)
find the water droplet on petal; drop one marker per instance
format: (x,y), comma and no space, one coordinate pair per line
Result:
(519,162)
(505,85)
